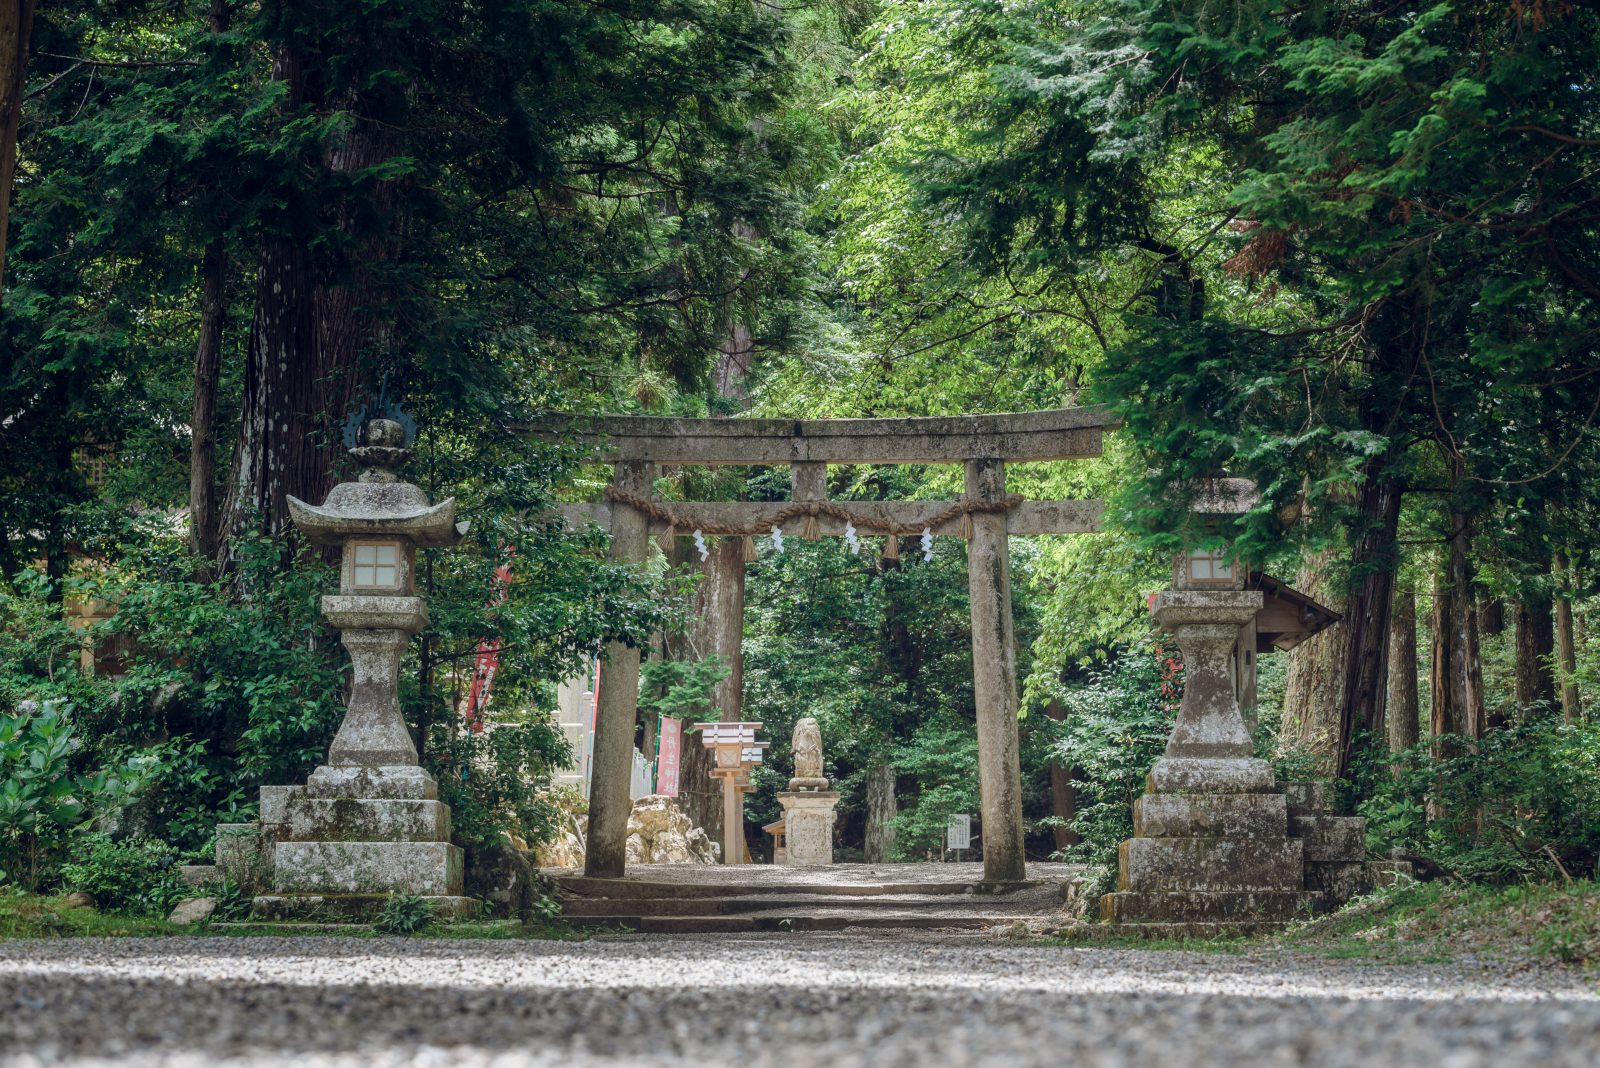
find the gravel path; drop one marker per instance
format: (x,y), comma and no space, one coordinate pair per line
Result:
(759,1001)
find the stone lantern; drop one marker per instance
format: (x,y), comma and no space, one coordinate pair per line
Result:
(1211,850)
(369,823)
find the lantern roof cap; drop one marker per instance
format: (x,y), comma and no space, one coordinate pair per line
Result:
(377,503)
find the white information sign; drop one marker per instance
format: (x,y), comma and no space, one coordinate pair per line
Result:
(959,834)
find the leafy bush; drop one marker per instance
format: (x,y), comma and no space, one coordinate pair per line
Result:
(404,914)
(496,780)
(46,805)
(942,756)
(1523,802)
(40,806)
(680,689)
(1115,728)
(131,875)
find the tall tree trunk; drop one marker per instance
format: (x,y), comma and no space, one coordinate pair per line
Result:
(1566,652)
(203,420)
(1063,795)
(1402,712)
(718,631)
(16,27)
(1536,641)
(1312,693)
(1364,658)
(1458,707)
(881,809)
(317,313)
(1491,616)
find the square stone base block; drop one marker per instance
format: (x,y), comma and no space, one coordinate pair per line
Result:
(352,908)
(1331,838)
(1339,881)
(1306,798)
(430,869)
(1191,907)
(351,819)
(1210,816)
(398,781)
(808,817)
(1211,864)
(1210,775)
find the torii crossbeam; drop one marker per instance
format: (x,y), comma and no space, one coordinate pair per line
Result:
(986,515)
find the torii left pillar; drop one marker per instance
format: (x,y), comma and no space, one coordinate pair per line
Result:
(994,677)
(617,710)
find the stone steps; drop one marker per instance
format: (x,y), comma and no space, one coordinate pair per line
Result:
(575,908)
(726,903)
(783,921)
(583,885)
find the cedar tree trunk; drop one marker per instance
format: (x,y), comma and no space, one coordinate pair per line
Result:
(1402,712)
(16,27)
(881,810)
(1365,650)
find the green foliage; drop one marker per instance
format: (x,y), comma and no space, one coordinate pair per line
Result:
(45,804)
(405,914)
(496,780)
(1115,727)
(680,689)
(137,876)
(1524,802)
(40,808)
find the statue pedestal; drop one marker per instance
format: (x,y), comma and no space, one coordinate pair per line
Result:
(808,821)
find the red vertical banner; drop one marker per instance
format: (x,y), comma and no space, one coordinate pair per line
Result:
(488,659)
(668,755)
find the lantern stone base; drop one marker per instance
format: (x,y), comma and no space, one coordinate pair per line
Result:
(352,908)
(808,817)
(398,781)
(1210,775)
(355,835)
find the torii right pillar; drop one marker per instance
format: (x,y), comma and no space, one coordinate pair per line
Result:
(994,677)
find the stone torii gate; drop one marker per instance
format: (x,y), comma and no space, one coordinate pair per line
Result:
(986,516)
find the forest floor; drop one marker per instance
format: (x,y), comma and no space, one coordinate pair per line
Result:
(844,1000)
(1537,924)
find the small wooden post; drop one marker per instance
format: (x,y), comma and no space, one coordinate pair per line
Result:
(994,677)
(612,761)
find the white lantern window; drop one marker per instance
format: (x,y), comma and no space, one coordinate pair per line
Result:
(376,566)
(1209,565)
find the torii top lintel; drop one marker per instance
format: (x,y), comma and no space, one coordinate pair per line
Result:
(1055,434)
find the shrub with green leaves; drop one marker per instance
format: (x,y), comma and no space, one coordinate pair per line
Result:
(46,804)
(40,797)
(135,875)
(1523,801)
(497,780)
(404,914)
(1116,726)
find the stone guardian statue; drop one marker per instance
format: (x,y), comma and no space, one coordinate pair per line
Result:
(807,748)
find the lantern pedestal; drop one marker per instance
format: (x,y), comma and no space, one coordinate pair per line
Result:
(369,824)
(1211,851)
